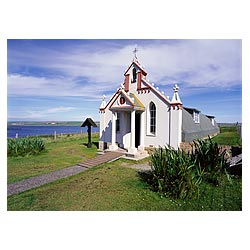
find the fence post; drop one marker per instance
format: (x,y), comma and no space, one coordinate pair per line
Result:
(55,136)
(16,135)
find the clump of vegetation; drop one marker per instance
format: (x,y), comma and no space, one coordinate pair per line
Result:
(178,174)
(25,146)
(208,159)
(174,173)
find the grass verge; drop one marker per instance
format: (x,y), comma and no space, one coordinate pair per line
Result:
(108,187)
(67,151)
(115,187)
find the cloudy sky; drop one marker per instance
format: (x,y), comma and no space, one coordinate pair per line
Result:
(64,79)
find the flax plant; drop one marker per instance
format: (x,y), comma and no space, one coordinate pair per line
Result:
(209,159)
(174,174)
(25,146)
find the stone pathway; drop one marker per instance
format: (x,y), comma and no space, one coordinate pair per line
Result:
(37,181)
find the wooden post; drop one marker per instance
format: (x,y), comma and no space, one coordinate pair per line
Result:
(89,136)
(55,136)
(89,122)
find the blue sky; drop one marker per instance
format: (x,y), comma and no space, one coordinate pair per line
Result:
(64,80)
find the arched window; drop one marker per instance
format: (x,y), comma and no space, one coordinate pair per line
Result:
(152,110)
(134,75)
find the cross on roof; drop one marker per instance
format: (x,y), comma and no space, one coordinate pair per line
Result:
(134,51)
(175,88)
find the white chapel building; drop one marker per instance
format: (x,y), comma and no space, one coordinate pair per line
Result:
(138,116)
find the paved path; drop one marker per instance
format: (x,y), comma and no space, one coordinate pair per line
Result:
(37,181)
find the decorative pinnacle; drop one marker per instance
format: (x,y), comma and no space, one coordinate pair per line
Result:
(176,88)
(103,97)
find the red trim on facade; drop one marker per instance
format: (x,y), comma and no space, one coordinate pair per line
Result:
(110,100)
(176,106)
(139,77)
(124,97)
(143,90)
(126,83)
(138,65)
(160,95)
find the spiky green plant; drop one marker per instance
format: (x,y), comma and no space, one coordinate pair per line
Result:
(208,158)
(174,174)
(25,146)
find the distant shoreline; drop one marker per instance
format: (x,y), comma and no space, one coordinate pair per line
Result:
(17,130)
(78,123)
(46,123)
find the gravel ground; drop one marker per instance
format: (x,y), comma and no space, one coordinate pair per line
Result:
(37,181)
(143,166)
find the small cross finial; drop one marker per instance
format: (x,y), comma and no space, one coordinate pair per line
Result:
(134,51)
(175,88)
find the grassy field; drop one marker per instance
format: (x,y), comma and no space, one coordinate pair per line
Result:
(108,187)
(114,186)
(67,151)
(228,136)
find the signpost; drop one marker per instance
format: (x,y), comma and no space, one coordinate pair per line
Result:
(89,122)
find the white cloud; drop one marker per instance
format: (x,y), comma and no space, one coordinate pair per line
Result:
(196,62)
(200,63)
(19,85)
(57,109)
(37,113)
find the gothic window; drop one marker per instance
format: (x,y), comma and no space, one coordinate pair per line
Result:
(134,75)
(152,110)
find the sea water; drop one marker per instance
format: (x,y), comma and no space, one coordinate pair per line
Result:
(23,131)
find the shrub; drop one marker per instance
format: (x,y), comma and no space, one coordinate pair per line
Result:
(209,159)
(25,146)
(173,173)
(179,174)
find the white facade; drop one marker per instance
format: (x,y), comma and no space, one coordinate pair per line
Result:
(138,115)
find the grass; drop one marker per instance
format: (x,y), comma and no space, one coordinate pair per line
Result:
(228,136)
(67,151)
(115,187)
(108,187)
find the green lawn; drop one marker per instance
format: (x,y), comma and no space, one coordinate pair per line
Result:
(228,136)
(114,186)
(111,186)
(67,151)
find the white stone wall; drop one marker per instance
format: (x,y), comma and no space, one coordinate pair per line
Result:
(106,126)
(175,128)
(161,136)
(168,121)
